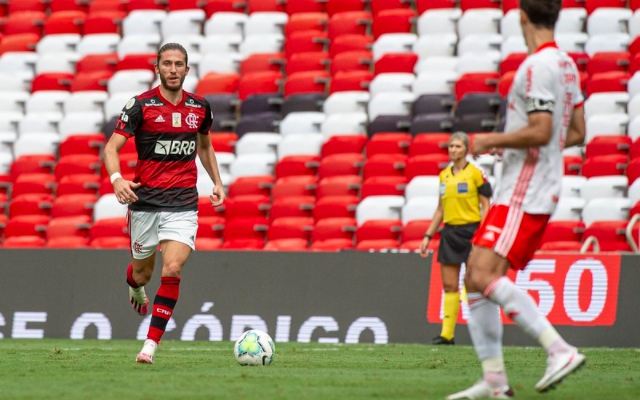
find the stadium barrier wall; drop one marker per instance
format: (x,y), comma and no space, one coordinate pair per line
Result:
(344,297)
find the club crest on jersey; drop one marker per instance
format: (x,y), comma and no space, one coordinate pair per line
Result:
(176,120)
(192,121)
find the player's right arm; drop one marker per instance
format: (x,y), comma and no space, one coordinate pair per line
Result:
(436,220)
(576,130)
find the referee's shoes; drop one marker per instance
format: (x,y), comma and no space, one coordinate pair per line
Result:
(438,340)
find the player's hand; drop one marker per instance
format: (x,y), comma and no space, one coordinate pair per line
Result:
(218,196)
(123,190)
(481,144)
(423,247)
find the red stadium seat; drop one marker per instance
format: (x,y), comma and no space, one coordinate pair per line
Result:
(396,63)
(31,204)
(305,41)
(429,143)
(249,205)
(258,82)
(504,83)
(568,246)
(292,206)
(72,205)
(335,207)
(243,244)
(4,202)
(633,170)
(338,6)
(68,5)
(27,225)
(21,42)
(110,243)
(470,4)
(82,144)
(224,142)
(611,235)
(341,164)
(67,242)
(65,22)
(350,80)
(266,6)
(97,62)
(511,62)
(314,20)
(413,233)
(290,228)
(341,144)
(25,22)
(77,164)
(261,62)
(307,61)
(297,165)
(608,145)
(78,184)
(381,5)
(481,82)
(67,227)
(106,5)
(208,244)
(109,227)
(388,143)
(306,82)
(424,5)
(52,81)
(127,163)
(213,6)
(572,164)
(393,21)
(210,227)
(508,5)
(604,165)
(137,61)
(175,5)
(205,209)
(96,80)
(37,183)
(103,22)
(379,229)
(581,59)
(213,83)
(251,185)
(334,228)
(357,60)
(384,165)
(245,228)
(342,185)
(133,5)
(350,43)
(332,245)
(563,231)
(297,185)
(286,245)
(614,81)
(608,62)
(383,186)
(592,5)
(23,242)
(349,23)
(377,245)
(34,164)
(428,164)
(27,5)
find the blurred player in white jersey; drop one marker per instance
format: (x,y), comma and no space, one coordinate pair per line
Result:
(545,115)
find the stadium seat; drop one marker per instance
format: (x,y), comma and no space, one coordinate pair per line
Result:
(42,163)
(606,209)
(290,228)
(563,231)
(65,22)
(33,183)
(307,20)
(251,185)
(304,102)
(68,227)
(413,232)
(340,164)
(107,21)
(23,242)
(384,165)
(67,242)
(245,228)
(383,186)
(306,82)
(349,23)
(243,206)
(422,186)
(20,42)
(396,63)
(611,235)
(72,205)
(110,243)
(379,229)
(571,185)
(31,204)
(345,43)
(604,165)
(419,208)
(26,225)
(346,101)
(335,207)
(428,164)
(355,60)
(210,227)
(350,81)
(429,144)
(340,144)
(344,124)
(379,207)
(78,184)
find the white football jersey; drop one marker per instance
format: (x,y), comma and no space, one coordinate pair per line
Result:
(547,81)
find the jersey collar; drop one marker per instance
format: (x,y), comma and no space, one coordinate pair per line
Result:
(546,46)
(167,102)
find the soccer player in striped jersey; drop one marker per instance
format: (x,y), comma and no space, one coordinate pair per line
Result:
(170,127)
(544,116)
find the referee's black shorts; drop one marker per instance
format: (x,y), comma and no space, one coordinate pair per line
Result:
(455,243)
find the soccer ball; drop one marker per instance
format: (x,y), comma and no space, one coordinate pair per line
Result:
(254,347)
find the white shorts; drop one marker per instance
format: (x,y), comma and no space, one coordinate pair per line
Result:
(149,228)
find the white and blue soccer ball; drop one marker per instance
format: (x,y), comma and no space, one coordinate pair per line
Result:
(254,347)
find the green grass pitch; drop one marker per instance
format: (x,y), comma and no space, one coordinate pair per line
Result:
(91,369)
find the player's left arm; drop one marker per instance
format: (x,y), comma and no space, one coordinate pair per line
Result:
(576,130)
(208,158)
(485,191)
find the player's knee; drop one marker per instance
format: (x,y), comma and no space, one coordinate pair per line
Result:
(450,287)
(172,269)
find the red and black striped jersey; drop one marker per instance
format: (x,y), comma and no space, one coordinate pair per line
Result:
(166,141)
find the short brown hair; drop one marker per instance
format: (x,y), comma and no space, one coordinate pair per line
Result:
(172,46)
(542,13)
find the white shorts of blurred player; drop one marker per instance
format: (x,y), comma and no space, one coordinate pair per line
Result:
(149,228)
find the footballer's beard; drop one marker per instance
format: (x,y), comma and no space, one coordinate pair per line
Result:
(173,85)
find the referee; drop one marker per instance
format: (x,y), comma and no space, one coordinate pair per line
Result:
(464,200)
